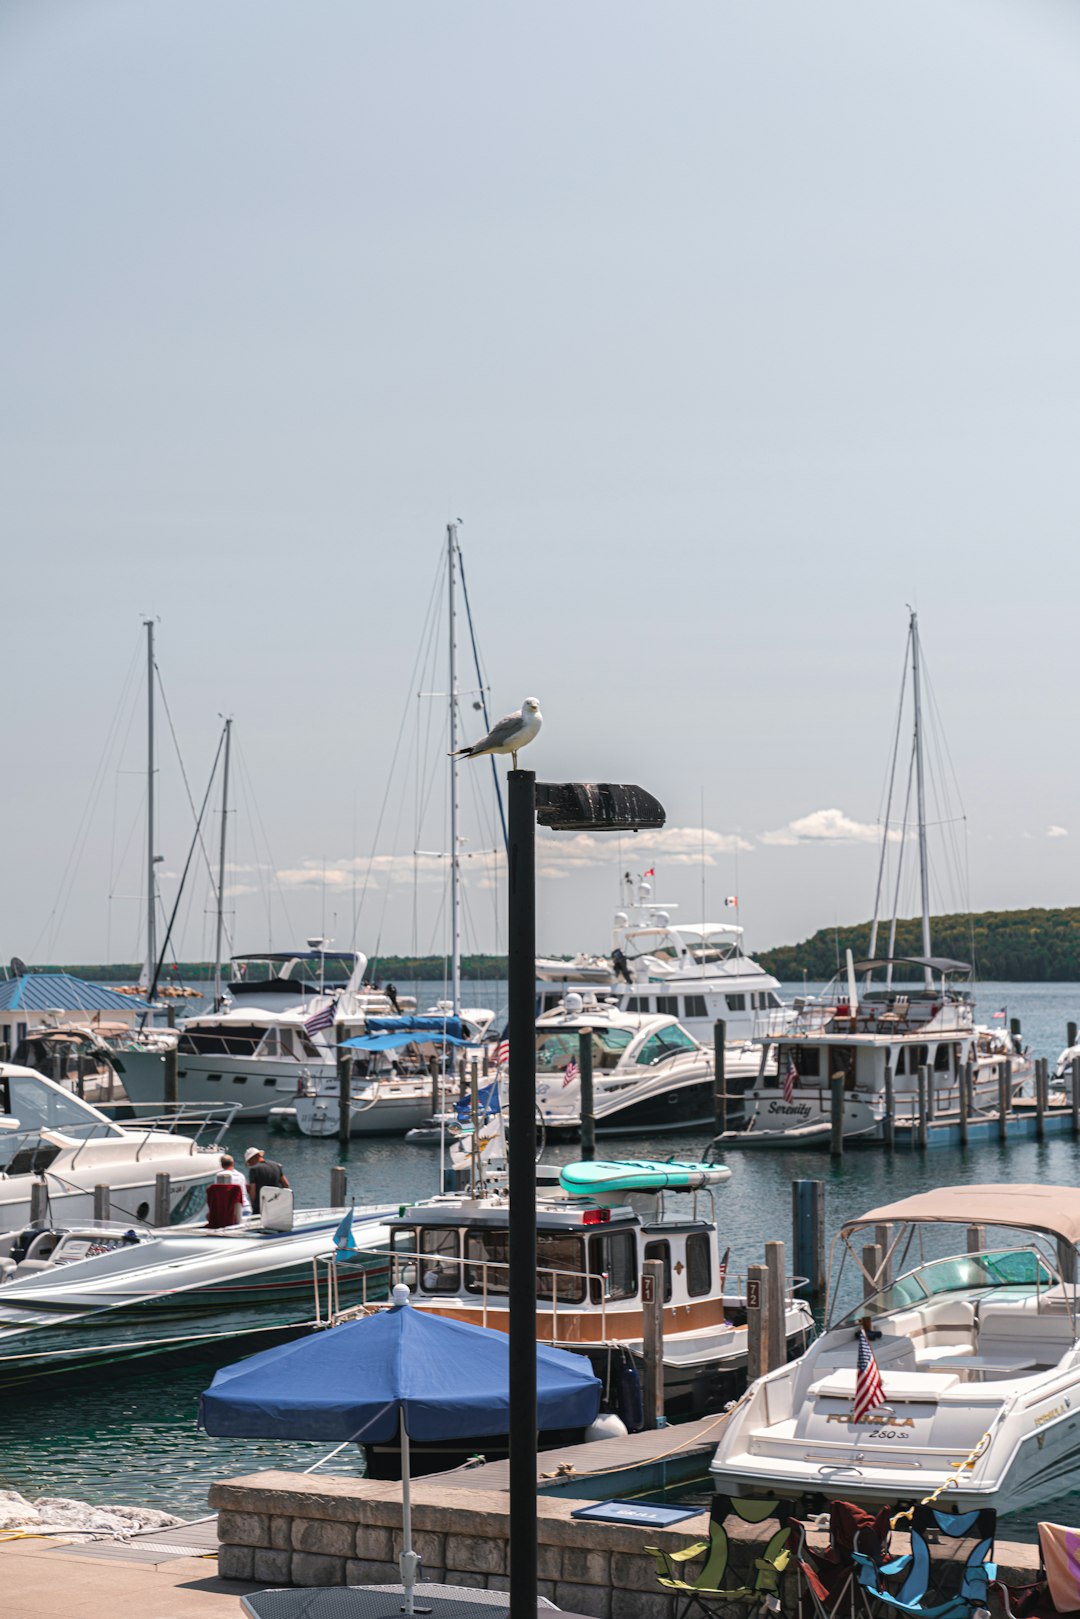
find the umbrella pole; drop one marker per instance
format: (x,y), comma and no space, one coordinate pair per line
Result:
(408,1560)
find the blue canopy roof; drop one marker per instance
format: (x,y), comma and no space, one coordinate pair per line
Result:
(428,1024)
(390,1042)
(41,992)
(353,1382)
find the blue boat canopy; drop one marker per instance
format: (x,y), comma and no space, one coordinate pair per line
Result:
(425,1023)
(391,1042)
(447,1379)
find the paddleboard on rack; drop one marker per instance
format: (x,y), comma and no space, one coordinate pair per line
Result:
(593,1178)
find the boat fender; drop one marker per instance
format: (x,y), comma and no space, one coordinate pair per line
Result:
(629,1402)
(606,1426)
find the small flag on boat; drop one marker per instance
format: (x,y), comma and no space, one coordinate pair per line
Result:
(869,1393)
(722,1277)
(322,1019)
(344,1241)
(502,1054)
(487,1101)
(1000,1014)
(790,1077)
(651,872)
(569,1073)
(732,899)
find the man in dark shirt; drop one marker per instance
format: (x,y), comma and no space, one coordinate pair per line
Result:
(261,1172)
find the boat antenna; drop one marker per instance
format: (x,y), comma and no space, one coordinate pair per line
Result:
(455,847)
(920,793)
(221,865)
(151,879)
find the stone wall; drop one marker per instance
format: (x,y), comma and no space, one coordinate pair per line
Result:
(293,1529)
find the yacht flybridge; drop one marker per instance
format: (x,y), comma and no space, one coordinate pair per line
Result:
(978,1352)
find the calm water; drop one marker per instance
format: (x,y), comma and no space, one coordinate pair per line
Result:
(132,1437)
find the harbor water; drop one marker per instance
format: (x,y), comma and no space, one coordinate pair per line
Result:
(131,1436)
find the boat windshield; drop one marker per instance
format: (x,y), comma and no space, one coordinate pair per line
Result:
(556,1047)
(40,1106)
(963,1273)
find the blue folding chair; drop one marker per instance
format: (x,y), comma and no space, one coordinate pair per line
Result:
(946,1574)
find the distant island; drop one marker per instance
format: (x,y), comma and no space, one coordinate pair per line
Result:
(1033,947)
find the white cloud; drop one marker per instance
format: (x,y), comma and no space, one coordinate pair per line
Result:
(559,854)
(827,826)
(382,868)
(1057,831)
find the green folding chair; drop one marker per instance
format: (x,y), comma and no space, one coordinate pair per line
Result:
(734,1570)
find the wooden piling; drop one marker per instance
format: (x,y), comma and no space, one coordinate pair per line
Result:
(775,1311)
(585,1080)
(720,1113)
(883,1238)
(836,1116)
(58,1066)
(162,1199)
(338,1186)
(652,1298)
(757,1324)
(436,1093)
(474,1116)
(101,1203)
(1042,1086)
(808,1234)
(170,1016)
(80,1073)
(5,1051)
(344,1078)
(39,1202)
(966,1074)
(1004,1097)
(871,1268)
(921,1121)
(1070,1034)
(975,1237)
(1074,1094)
(172,1079)
(888,1123)
(931,1102)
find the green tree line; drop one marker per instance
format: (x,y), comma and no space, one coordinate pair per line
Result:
(1034,946)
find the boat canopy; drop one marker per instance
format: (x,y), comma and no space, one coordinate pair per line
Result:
(424,1024)
(937,964)
(1052,1209)
(391,1042)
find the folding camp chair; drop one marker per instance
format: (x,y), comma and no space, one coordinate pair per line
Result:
(947,1573)
(1057,1588)
(732,1570)
(826,1579)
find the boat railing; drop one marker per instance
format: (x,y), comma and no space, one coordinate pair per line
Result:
(493,1293)
(177,1117)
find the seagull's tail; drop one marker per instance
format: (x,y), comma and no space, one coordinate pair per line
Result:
(461,753)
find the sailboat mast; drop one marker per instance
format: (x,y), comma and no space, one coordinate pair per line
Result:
(920,789)
(221,866)
(455,847)
(151,926)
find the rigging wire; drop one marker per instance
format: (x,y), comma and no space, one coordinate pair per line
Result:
(889,797)
(483,690)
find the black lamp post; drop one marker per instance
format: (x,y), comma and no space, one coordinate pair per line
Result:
(566,807)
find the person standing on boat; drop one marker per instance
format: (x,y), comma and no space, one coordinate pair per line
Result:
(229,1172)
(262,1172)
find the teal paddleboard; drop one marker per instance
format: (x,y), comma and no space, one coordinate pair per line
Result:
(591,1178)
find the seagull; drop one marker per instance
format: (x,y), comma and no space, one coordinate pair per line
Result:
(512,732)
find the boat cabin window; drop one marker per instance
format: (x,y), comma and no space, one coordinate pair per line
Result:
(736,1003)
(694,1006)
(560,1264)
(271,1046)
(698,1264)
(668,1005)
(662,1251)
(807,1060)
(665,1043)
(440,1251)
(943,1058)
(556,1047)
(614,1255)
(37,1106)
(637,1003)
(236,1040)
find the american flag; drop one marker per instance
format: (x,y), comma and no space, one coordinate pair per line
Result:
(789,1079)
(869,1393)
(502,1054)
(722,1278)
(569,1073)
(322,1019)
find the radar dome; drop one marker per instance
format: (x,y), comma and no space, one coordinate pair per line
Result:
(573,1003)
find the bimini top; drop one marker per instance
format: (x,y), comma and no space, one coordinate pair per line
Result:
(937,964)
(1053,1209)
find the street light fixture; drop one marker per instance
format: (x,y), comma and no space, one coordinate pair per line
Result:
(564,807)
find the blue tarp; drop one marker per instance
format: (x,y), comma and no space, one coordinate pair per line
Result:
(450,1379)
(390,1042)
(424,1023)
(487,1101)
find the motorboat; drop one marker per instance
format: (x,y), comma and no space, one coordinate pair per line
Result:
(49,1136)
(879,1026)
(594,1231)
(86,1294)
(975,1336)
(694,971)
(402,1074)
(649,1072)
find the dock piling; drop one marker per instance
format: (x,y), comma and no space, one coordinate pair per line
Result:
(921,1121)
(975,1237)
(652,1298)
(338,1186)
(888,1123)
(588,1116)
(808,1234)
(1070,1034)
(101,1203)
(1074,1094)
(930,1099)
(965,1101)
(436,1093)
(80,1074)
(39,1202)
(775,1311)
(1042,1086)
(162,1198)
(719,1076)
(58,1067)
(871,1269)
(172,1079)
(1004,1094)
(883,1238)
(836,1116)
(344,1076)
(757,1322)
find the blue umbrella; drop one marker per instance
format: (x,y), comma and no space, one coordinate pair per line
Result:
(422,1375)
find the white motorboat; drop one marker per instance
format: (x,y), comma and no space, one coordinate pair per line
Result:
(649,1073)
(83,1294)
(978,1353)
(48,1135)
(591,1243)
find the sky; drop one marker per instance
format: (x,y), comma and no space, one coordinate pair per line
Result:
(727,331)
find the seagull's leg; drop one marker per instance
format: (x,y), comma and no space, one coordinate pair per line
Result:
(513,755)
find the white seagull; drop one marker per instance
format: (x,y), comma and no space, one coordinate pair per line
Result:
(509,734)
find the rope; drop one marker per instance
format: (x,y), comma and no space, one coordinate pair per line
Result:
(568,1470)
(947,1483)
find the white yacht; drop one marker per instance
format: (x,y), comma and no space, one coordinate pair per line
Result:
(978,1353)
(693,971)
(46,1134)
(870,1019)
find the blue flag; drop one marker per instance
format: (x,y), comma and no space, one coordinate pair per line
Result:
(487,1101)
(344,1241)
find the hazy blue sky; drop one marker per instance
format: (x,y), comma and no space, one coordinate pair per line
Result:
(727,329)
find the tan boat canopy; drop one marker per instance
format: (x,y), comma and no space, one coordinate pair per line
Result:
(1053,1209)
